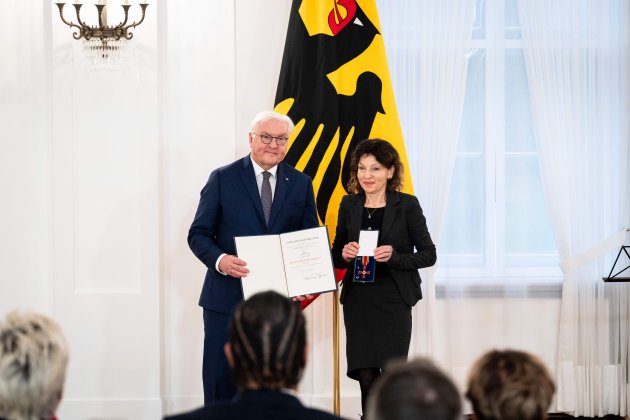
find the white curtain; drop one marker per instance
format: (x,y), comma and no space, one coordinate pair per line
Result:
(576,54)
(430,85)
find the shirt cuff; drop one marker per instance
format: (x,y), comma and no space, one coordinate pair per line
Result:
(216,265)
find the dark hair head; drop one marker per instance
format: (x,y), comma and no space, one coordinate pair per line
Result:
(267,335)
(510,384)
(414,390)
(385,154)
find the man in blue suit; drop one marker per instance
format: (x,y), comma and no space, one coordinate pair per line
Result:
(256,195)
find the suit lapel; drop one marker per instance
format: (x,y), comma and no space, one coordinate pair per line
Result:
(249,181)
(356,216)
(391,210)
(282,184)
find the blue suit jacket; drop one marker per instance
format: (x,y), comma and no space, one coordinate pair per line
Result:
(230,206)
(257,405)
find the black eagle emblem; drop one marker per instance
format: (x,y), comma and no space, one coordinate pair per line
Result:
(306,62)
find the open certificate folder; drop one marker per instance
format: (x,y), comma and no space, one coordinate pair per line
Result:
(292,264)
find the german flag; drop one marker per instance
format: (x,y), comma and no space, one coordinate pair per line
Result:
(335,85)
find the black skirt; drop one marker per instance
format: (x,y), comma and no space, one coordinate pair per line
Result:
(378,324)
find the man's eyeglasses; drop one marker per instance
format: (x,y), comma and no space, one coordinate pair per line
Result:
(265,138)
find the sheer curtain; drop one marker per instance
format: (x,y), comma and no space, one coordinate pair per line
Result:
(576,55)
(427,54)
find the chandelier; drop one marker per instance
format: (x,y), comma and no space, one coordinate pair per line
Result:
(104,40)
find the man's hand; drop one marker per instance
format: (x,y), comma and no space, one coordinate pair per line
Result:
(233,266)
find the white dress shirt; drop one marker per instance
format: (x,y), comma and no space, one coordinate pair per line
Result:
(259,180)
(259,177)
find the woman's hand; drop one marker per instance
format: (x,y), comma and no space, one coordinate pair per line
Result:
(383,253)
(350,251)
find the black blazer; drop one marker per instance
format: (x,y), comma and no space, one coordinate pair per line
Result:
(404,227)
(257,405)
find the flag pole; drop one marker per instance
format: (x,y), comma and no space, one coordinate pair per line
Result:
(336,399)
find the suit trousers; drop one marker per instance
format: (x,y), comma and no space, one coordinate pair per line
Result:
(217,376)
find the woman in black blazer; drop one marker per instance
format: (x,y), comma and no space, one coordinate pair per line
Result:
(377,314)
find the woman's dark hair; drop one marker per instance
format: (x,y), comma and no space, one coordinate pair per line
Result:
(267,335)
(385,154)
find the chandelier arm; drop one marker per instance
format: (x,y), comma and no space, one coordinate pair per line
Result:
(124,22)
(83,27)
(99,9)
(134,24)
(63,19)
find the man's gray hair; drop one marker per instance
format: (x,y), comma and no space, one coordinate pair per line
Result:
(33,361)
(263,116)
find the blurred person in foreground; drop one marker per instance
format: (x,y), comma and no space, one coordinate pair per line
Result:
(414,390)
(266,350)
(510,384)
(33,361)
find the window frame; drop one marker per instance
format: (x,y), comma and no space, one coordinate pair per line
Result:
(496,266)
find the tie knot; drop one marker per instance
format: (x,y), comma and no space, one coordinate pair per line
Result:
(266,175)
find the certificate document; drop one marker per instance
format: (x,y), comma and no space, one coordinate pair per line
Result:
(292,264)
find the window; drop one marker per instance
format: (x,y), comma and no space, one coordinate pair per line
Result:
(497,226)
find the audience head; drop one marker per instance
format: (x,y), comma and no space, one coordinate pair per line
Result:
(267,342)
(510,384)
(414,390)
(33,360)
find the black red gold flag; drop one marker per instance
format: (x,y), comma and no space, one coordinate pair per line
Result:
(335,85)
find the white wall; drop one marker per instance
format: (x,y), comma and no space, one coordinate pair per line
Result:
(25,249)
(104,185)
(100,172)
(198,123)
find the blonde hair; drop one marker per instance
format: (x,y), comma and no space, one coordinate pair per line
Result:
(33,361)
